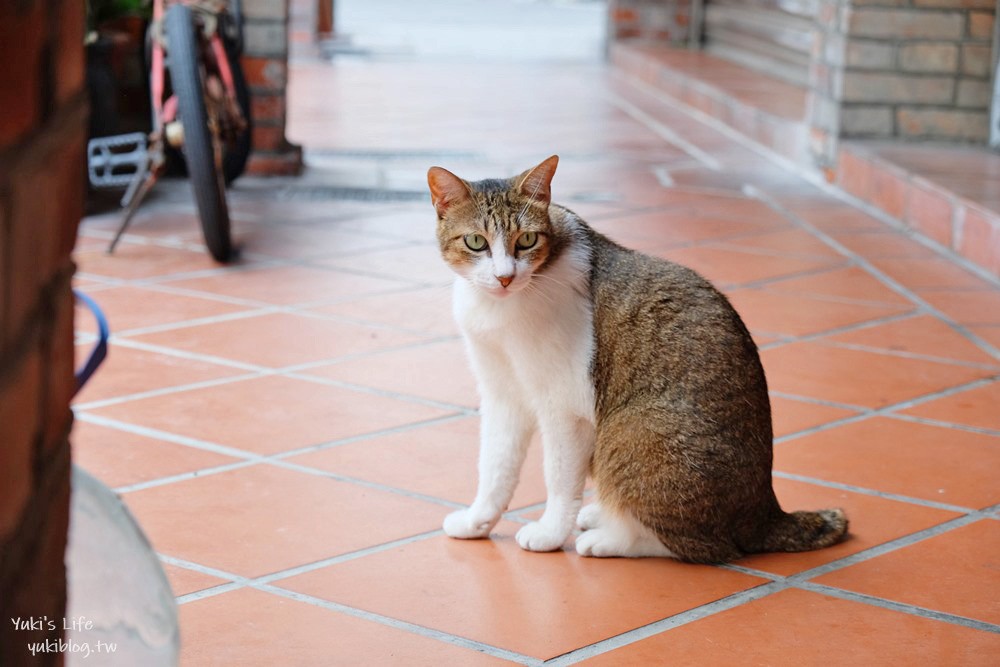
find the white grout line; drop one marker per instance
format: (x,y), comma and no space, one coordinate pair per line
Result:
(874,271)
(903,607)
(912,500)
(406,626)
(658,627)
(664,132)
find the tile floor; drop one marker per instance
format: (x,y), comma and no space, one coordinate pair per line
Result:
(291,430)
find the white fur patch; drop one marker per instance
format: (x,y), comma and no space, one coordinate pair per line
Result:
(531,349)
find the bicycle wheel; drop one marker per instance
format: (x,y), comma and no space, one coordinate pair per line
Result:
(200,147)
(237,151)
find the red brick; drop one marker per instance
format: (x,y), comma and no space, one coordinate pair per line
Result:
(929,57)
(268,108)
(39,588)
(897,88)
(904,23)
(60,382)
(22,33)
(930,211)
(889,190)
(980,239)
(981,25)
(69,54)
(280,164)
(20,398)
(624,15)
(268,74)
(268,137)
(956,4)
(976,59)
(943,124)
(854,174)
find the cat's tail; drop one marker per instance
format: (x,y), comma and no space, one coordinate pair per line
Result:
(805,531)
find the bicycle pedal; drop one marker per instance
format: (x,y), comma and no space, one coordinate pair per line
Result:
(113,162)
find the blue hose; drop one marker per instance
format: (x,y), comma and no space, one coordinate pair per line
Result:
(100,350)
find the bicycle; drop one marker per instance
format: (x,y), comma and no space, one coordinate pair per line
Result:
(204,113)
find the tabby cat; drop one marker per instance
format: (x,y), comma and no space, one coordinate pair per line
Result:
(634,369)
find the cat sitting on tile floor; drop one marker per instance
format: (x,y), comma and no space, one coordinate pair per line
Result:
(634,369)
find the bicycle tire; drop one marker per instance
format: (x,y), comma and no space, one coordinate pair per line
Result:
(199,152)
(234,159)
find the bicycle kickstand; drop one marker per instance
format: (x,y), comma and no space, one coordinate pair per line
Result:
(140,185)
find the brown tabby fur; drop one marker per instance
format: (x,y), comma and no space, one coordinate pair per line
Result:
(683,421)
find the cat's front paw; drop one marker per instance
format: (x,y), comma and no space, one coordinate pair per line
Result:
(468,524)
(539,537)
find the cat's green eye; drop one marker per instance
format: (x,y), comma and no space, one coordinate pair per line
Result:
(475,242)
(526,240)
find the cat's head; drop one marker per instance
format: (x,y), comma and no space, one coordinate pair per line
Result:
(496,233)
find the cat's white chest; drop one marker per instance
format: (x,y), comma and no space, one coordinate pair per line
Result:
(538,342)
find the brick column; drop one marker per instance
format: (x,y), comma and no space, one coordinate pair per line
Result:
(265,63)
(911,69)
(662,21)
(42,139)
(826,80)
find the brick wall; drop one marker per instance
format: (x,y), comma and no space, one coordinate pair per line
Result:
(265,63)
(42,138)
(916,69)
(653,20)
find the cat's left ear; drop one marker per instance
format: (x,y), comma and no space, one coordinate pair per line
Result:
(536,183)
(447,189)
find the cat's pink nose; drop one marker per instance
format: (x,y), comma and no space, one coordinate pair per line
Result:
(505,280)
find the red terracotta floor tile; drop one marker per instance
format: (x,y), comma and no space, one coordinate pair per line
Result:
(796,627)
(286,285)
(733,267)
(494,592)
(184,581)
(251,627)
(882,244)
(417,264)
(955,572)
(929,273)
(135,260)
(129,307)
(670,227)
(306,241)
(436,460)
(978,307)
(873,521)
(799,314)
(850,282)
(856,377)
(277,340)
(126,371)
(831,216)
(990,334)
(794,242)
(791,416)
(426,310)
(262,519)
(269,414)
(119,458)
(166,223)
(438,371)
(907,458)
(975,407)
(924,334)
(413,223)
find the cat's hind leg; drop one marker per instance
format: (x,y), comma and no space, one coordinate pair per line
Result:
(589,516)
(619,536)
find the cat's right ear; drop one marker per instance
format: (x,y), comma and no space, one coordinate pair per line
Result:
(447,189)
